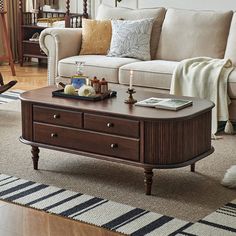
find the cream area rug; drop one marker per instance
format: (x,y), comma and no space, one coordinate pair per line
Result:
(177,193)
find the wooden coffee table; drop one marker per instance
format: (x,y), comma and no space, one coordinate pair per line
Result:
(112,130)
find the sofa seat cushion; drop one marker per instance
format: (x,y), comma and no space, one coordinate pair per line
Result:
(192,33)
(152,74)
(95,65)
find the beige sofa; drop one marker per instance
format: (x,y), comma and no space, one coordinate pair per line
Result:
(177,34)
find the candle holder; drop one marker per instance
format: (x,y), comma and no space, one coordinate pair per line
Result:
(130,99)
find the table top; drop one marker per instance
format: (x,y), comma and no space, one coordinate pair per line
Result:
(116,105)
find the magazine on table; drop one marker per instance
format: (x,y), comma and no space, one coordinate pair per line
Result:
(165,103)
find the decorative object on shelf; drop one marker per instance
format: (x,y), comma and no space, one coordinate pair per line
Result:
(80,67)
(87,91)
(131,76)
(130,90)
(96,97)
(1,5)
(35,37)
(69,89)
(103,86)
(130,99)
(95,84)
(48,22)
(79,79)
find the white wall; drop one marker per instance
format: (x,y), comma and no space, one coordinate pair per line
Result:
(77,5)
(190,4)
(184,4)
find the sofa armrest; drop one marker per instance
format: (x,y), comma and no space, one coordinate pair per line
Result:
(58,44)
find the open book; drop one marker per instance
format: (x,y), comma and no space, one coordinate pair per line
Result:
(165,103)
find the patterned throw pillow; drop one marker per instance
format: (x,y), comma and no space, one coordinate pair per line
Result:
(96,37)
(131,39)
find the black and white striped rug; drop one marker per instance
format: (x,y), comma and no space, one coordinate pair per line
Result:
(222,222)
(10,96)
(112,215)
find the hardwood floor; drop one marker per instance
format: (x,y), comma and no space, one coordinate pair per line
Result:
(29,77)
(21,221)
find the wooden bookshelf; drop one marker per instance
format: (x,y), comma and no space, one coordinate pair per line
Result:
(28,27)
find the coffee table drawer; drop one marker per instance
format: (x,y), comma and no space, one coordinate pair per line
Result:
(124,127)
(93,142)
(57,116)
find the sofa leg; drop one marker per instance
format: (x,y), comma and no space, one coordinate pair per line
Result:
(192,167)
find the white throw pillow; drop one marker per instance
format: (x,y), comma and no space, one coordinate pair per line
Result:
(131,39)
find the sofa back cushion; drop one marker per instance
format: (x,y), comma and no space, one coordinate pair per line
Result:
(110,13)
(230,52)
(191,33)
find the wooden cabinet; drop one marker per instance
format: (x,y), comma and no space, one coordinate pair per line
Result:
(30,49)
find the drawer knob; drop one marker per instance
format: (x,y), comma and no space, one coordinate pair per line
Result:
(56,116)
(53,135)
(109,125)
(114,145)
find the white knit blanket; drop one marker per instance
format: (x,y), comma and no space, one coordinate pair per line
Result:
(206,78)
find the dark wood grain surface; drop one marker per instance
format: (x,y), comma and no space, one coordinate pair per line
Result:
(117,105)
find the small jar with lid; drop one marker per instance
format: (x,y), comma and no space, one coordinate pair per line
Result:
(95,84)
(103,86)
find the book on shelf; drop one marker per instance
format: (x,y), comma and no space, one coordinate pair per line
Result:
(165,103)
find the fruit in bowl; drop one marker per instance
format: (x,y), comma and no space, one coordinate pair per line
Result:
(86,91)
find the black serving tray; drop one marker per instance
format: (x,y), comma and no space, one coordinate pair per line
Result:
(98,97)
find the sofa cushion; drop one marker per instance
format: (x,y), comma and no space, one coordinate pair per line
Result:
(131,38)
(230,52)
(110,13)
(158,74)
(190,33)
(96,37)
(95,65)
(152,74)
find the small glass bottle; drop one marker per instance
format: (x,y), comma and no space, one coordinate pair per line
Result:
(79,79)
(95,84)
(103,86)
(80,67)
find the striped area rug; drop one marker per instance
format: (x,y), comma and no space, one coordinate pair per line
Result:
(93,210)
(222,222)
(10,96)
(111,215)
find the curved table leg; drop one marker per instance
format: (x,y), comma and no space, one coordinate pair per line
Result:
(148,174)
(35,156)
